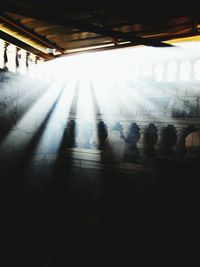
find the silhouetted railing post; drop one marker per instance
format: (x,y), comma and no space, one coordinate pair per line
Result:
(5,57)
(27,60)
(17,49)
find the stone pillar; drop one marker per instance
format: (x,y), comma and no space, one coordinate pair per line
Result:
(179,147)
(158,144)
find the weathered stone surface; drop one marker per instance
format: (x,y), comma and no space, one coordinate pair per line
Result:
(19,96)
(114,147)
(192,143)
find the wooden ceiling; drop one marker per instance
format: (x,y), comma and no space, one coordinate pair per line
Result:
(52,30)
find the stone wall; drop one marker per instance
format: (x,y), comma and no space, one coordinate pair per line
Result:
(18,95)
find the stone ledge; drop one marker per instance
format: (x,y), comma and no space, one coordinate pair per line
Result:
(92,161)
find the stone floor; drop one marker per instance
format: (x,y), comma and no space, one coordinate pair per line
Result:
(93,215)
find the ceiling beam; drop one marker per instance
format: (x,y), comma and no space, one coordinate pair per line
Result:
(181,35)
(20,44)
(95,48)
(29,33)
(51,15)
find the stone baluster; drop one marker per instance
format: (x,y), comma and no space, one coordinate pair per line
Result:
(131,139)
(179,146)
(27,60)
(70,134)
(17,49)
(102,133)
(94,141)
(158,145)
(5,57)
(36,60)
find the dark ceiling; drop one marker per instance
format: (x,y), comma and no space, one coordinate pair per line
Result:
(52,30)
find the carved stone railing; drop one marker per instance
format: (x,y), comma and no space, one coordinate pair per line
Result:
(6,61)
(132,139)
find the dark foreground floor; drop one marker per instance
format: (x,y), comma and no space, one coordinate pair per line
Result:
(90,218)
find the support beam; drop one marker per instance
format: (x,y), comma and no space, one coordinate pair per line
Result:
(29,33)
(8,38)
(182,35)
(54,17)
(95,48)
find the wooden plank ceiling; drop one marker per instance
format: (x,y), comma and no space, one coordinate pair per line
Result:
(55,30)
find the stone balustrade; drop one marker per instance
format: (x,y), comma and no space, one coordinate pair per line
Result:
(16,59)
(133,139)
